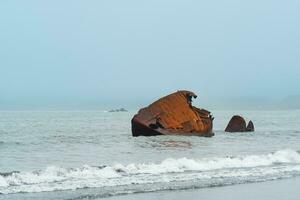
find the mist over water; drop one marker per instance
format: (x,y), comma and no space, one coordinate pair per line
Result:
(106,54)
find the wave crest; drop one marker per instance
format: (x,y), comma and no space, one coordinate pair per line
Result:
(186,164)
(271,165)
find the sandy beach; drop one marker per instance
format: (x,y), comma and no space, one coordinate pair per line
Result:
(286,189)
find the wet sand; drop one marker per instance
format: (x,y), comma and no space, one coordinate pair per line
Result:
(286,189)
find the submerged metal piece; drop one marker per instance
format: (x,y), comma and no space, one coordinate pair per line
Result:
(173,115)
(238,124)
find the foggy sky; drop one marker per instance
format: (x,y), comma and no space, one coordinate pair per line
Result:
(128,53)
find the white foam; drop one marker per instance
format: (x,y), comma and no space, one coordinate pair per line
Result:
(186,164)
(3,182)
(169,170)
(56,174)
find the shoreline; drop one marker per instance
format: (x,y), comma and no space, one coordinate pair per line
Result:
(271,190)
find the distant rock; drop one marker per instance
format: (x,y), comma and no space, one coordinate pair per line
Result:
(118,110)
(238,124)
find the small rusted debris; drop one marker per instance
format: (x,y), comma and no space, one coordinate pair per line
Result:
(173,115)
(238,124)
(250,126)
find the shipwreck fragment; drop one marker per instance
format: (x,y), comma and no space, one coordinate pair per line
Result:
(173,115)
(238,124)
(250,126)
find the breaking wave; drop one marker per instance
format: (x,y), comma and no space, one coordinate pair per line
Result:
(166,175)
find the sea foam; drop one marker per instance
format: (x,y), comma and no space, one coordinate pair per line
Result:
(272,165)
(188,164)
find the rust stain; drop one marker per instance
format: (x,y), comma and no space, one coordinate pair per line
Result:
(173,115)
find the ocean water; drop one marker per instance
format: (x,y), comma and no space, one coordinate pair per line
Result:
(92,155)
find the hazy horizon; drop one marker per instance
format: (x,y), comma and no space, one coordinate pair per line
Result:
(103,55)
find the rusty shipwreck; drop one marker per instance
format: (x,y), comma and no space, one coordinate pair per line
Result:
(173,115)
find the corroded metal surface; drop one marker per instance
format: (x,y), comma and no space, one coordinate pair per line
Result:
(173,115)
(238,124)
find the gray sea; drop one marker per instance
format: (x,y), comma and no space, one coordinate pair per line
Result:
(92,155)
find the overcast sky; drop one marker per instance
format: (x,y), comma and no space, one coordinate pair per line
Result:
(128,53)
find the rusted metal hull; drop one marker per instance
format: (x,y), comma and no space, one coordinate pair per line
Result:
(173,115)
